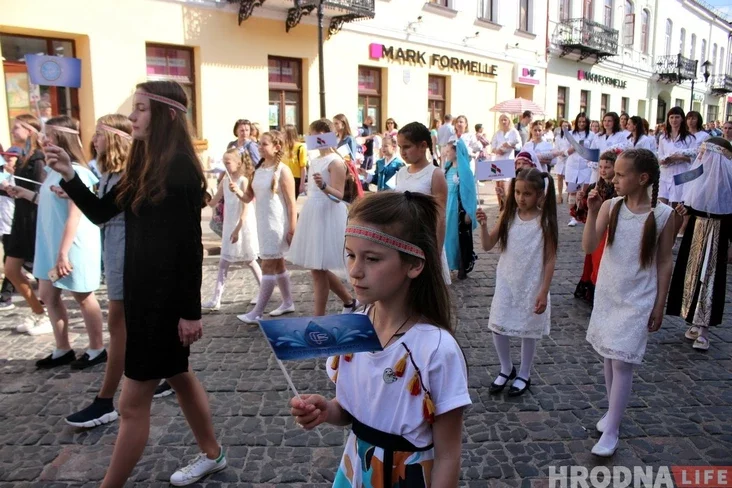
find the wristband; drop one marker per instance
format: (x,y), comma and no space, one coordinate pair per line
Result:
(323,186)
(35,197)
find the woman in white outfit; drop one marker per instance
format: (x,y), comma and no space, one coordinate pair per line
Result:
(695,123)
(577,171)
(543,150)
(612,137)
(505,144)
(561,144)
(637,135)
(677,147)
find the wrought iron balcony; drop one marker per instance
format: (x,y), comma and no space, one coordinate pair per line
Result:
(339,11)
(675,68)
(721,84)
(583,38)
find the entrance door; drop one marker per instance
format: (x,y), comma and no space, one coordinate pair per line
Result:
(661,111)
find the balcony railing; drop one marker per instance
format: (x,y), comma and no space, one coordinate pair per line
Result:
(362,8)
(721,84)
(586,38)
(675,68)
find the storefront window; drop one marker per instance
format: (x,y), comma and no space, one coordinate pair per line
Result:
(369,95)
(562,102)
(435,98)
(712,113)
(285,93)
(584,100)
(22,96)
(604,102)
(174,63)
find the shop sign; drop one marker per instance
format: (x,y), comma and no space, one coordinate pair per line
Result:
(698,97)
(603,80)
(423,58)
(526,75)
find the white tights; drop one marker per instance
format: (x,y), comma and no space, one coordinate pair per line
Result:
(619,384)
(528,350)
(224,272)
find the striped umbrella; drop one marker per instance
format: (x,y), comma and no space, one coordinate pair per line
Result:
(518,106)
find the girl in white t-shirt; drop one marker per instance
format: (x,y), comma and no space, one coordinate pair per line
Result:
(405,403)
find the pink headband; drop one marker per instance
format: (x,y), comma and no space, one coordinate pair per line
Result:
(384,239)
(62,129)
(28,126)
(165,100)
(121,133)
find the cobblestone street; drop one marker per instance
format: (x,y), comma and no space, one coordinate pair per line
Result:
(679,412)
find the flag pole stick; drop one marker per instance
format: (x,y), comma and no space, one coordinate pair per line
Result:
(288,378)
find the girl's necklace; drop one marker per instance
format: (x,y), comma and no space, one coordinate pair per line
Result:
(396,331)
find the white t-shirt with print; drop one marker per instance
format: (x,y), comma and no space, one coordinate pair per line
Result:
(370,391)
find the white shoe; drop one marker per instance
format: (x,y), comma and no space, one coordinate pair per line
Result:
(253,301)
(352,308)
(211,305)
(603,451)
(572,222)
(247,319)
(601,424)
(40,323)
(198,468)
(282,310)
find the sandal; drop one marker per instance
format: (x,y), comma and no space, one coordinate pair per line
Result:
(692,333)
(701,344)
(496,388)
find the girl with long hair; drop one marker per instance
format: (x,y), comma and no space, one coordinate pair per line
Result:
(273,186)
(391,128)
(577,171)
(68,252)
(112,141)
(633,280)
(543,150)
(20,248)
(612,137)
(677,147)
(528,238)
(394,265)
(161,194)
(505,144)
(296,158)
(637,135)
(695,122)
(562,145)
(318,244)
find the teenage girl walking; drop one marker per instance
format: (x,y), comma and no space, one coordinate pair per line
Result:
(633,280)
(527,234)
(273,186)
(239,239)
(404,408)
(318,244)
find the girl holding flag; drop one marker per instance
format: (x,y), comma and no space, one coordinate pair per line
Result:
(420,376)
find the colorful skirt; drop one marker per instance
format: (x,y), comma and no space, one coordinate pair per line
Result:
(699,281)
(369,452)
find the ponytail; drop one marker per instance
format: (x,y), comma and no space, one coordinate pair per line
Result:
(417,133)
(549,227)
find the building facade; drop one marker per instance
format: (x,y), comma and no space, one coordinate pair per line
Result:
(413,60)
(636,56)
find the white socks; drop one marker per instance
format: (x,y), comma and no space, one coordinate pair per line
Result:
(283,283)
(220,281)
(528,349)
(265,293)
(93,353)
(504,356)
(622,385)
(256,271)
(57,353)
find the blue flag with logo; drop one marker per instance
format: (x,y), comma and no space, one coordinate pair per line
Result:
(688,176)
(313,337)
(53,70)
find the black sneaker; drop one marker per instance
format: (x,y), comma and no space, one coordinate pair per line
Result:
(164,389)
(84,362)
(100,412)
(48,362)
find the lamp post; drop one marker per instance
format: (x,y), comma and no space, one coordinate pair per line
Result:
(321,61)
(706,65)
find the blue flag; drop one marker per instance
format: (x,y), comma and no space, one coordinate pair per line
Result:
(53,70)
(313,337)
(585,152)
(688,176)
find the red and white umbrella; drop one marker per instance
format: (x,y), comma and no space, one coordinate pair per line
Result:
(518,106)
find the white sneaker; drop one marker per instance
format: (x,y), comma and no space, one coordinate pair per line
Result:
(282,310)
(198,468)
(249,319)
(211,305)
(572,222)
(39,323)
(352,308)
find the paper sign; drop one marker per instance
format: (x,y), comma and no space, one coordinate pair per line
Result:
(573,187)
(313,337)
(321,141)
(688,176)
(585,152)
(502,169)
(53,70)
(345,152)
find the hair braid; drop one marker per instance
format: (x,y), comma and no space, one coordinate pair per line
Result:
(275,176)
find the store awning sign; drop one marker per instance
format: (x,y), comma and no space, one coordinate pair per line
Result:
(526,75)
(53,70)
(423,58)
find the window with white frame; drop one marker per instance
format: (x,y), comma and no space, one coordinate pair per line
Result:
(669,35)
(524,15)
(722,63)
(588,9)
(607,15)
(645,30)
(682,41)
(442,3)
(565,10)
(714,59)
(692,48)
(703,56)
(629,24)
(487,10)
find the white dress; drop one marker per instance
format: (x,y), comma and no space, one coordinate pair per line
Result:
(576,169)
(518,281)
(272,221)
(421,182)
(625,293)
(560,144)
(320,236)
(246,248)
(667,147)
(541,149)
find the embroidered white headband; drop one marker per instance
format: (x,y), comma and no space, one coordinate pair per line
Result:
(62,129)
(28,126)
(165,100)
(384,239)
(121,133)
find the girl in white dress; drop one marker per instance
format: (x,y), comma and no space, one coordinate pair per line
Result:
(318,245)
(505,144)
(637,135)
(613,137)
(695,122)
(527,234)
(633,280)
(239,237)
(561,144)
(677,147)
(404,404)
(420,176)
(577,173)
(274,188)
(537,145)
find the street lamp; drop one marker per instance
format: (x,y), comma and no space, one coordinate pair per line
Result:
(706,65)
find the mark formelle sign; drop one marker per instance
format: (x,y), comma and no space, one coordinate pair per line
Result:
(423,58)
(603,80)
